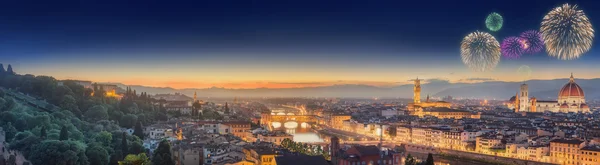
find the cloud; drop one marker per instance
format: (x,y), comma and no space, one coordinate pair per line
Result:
(432,80)
(477,79)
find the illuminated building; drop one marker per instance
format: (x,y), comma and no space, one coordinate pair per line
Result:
(485,143)
(368,155)
(337,121)
(260,155)
(565,151)
(570,99)
(445,113)
(416,104)
(275,137)
(589,155)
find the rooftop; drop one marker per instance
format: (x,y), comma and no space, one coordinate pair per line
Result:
(568,141)
(301,160)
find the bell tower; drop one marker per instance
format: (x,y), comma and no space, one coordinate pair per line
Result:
(417,91)
(524,98)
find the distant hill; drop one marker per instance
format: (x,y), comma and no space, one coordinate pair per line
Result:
(542,89)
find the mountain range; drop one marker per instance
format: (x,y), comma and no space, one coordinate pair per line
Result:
(541,89)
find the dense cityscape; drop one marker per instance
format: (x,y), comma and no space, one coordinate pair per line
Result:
(49,121)
(270,82)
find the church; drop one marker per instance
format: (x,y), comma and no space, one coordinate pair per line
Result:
(439,109)
(570,99)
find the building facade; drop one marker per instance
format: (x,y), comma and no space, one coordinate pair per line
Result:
(571,98)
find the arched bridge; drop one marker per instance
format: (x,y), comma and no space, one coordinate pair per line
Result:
(267,119)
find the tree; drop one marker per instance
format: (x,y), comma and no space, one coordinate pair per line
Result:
(59,152)
(64,133)
(139,132)
(24,142)
(9,70)
(136,148)
(115,158)
(2,69)
(97,155)
(9,132)
(43,133)
(429,160)
(96,113)
(226,108)
(124,148)
(21,124)
(69,103)
(104,138)
(162,154)
(12,160)
(139,159)
(410,160)
(128,121)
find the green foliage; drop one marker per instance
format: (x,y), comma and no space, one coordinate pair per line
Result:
(64,133)
(43,133)
(139,159)
(162,154)
(410,160)
(128,121)
(97,155)
(24,141)
(124,148)
(139,131)
(9,132)
(96,113)
(429,160)
(69,103)
(136,148)
(32,125)
(59,152)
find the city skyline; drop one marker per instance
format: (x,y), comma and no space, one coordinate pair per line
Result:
(271,44)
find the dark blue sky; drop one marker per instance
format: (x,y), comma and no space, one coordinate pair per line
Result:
(352,32)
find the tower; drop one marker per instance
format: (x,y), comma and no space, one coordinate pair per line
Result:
(524,98)
(517,104)
(533,105)
(334,148)
(417,91)
(195,97)
(427,100)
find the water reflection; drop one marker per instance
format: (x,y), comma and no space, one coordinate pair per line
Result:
(304,133)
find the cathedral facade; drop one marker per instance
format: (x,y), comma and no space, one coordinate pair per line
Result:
(570,99)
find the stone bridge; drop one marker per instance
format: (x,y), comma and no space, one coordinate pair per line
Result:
(267,119)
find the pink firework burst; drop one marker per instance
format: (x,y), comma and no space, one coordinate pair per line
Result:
(533,40)
(512,47)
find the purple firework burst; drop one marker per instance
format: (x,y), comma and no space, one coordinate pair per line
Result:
(533,41)
(512,48)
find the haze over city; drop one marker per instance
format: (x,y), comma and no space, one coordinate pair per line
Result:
(270,44)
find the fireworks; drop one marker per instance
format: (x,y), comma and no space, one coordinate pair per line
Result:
(494,21)
(567,32)
(480,51)
(532,40)
(524,72)
(512,47)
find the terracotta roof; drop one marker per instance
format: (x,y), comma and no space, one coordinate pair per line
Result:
(568,141)
(367,150)
(571,89)
(301,160)
(591,148)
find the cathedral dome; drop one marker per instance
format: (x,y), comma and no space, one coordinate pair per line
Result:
(584,106)
(564,106)
(570,89)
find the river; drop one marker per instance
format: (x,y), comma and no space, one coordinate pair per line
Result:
(301,132)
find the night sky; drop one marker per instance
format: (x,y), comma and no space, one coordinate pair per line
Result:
(270,43)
